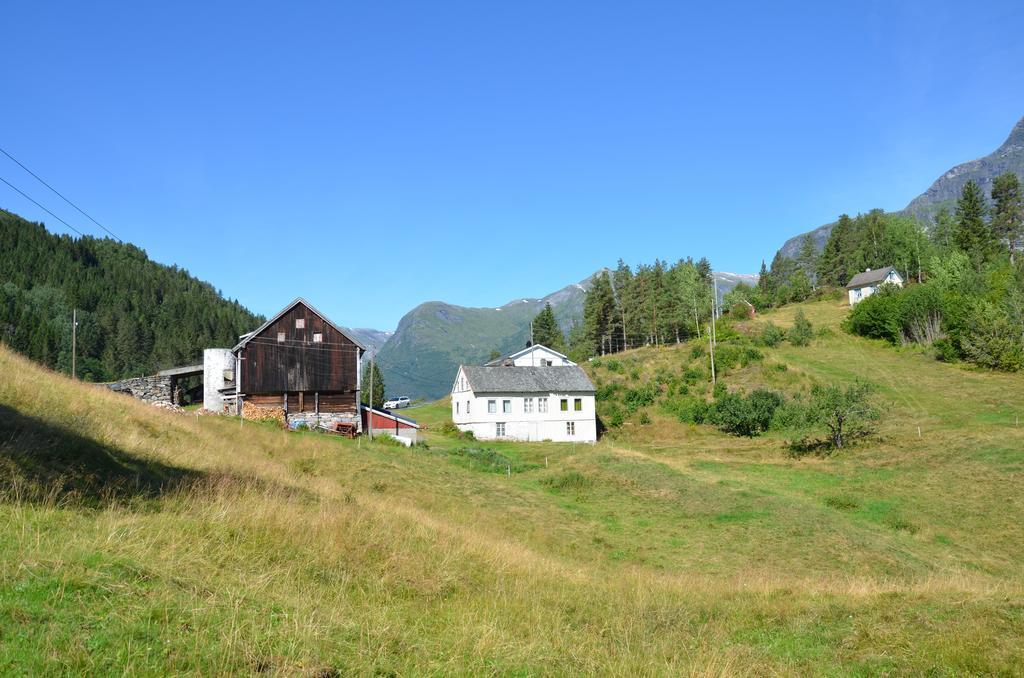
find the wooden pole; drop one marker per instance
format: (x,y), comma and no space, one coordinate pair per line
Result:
(370,416)
(74,341)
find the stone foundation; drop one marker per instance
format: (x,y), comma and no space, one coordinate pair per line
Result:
(312,420)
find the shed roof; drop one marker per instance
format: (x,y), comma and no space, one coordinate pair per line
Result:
(390,415)
(870,277)
(554,379)
(246,338)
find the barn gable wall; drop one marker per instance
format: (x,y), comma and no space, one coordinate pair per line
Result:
(297,364)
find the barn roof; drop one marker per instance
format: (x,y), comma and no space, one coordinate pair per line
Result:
(555,379)
(516,354)
(870,277)
(246,338)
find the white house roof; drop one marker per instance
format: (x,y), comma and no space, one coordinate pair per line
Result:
(870,277)
(524,351)
(555,379)
(246,338)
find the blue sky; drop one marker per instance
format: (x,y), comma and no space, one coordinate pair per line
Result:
(372,156)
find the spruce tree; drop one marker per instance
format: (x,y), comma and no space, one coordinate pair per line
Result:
(598,314)
(972,234)
(377,379)
(546,330)
(1008,212)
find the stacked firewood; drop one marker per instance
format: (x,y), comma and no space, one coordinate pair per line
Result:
(261,413)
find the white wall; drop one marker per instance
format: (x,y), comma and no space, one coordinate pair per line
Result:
(520,425)
(216,361)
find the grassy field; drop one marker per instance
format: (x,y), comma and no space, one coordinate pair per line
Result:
(139,541)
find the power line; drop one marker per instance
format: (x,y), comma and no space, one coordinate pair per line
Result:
(27,197)
(40,180)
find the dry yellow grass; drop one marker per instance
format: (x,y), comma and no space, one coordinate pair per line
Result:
(676,551)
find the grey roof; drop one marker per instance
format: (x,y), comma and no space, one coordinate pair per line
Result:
(869,277)
(245,338)
(516,354)
(555,379)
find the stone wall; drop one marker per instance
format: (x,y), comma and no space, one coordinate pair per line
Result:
(312,420)
(150,389)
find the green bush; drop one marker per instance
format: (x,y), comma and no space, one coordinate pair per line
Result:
(644,418)
(635,398)
(607,392)
(692,375)
(697,351)
(771,335)
(801,333)
(687,410)
(745,415)
(570,480)
(614,366)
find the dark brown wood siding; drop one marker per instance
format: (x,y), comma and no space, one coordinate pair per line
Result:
(328,367)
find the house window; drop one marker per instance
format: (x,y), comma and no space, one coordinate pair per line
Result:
(318,338)
(280,337)
(506,406)
(467,407)
(456,408)
(565,404)
(578,405)
(527,405)
(300,323)
(542,405)
(570,428)
(499,430)
(492,406)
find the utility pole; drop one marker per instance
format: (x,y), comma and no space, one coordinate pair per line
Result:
(74,340)
(711,344)
(371,396)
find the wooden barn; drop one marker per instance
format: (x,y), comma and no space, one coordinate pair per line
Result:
(301,362)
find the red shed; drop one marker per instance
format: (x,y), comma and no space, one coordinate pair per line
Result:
(387,422)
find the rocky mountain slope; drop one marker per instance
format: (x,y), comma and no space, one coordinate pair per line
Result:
(943,192)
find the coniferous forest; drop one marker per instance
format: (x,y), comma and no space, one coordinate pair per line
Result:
(135,316)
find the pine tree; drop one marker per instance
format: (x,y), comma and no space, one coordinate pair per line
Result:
(546,330)
(972,234)
(377,379)
(1008,212)
(807,260)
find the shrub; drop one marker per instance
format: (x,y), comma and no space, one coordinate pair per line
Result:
(614,366)
(486,459)
(994,341)
(687,410)
(771,335)
(449,429)
(801,333)
(644,418)
(845,413)
(634,374)
(697,351)
(606,392)
(612,417)
(692,375)
(636,398)
(745,416)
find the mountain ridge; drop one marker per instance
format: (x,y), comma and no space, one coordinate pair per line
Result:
(943,192)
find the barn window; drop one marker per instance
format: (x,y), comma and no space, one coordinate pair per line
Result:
(280,337)
(300,323)
(317,338)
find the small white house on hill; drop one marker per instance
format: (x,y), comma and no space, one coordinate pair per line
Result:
(525,403)
(865,284)
(532,356)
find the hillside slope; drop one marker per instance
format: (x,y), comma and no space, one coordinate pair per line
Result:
(943,192)
(133,539)
(134,315)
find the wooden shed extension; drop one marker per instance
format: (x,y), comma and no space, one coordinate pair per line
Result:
(300,361)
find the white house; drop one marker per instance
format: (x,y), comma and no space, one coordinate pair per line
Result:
(532,356)
(525,403)
(865,284)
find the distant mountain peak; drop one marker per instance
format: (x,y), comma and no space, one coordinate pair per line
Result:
(1016,139)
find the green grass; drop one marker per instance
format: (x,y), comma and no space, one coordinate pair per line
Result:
(140,541)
